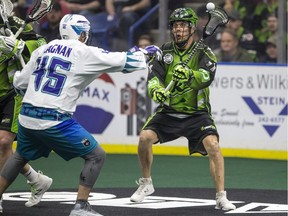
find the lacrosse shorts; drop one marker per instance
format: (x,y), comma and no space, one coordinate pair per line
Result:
(68,139)
(10,105)
(195,128)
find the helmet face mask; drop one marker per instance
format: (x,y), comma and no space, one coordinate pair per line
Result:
(72,26)
(188,18)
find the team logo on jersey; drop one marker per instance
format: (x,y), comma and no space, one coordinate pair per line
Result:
(211,66)
(208,127)
(168,58)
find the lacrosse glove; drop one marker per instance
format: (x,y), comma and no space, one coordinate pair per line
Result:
(150,52)
(182,73)
(153,52)
(159,95)
(9,45)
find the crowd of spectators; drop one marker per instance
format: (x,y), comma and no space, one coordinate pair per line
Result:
(251,31)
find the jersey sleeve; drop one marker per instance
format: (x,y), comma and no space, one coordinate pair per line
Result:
(156,77)
(205,74)
(99,60)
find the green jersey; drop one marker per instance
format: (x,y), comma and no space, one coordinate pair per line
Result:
(185,98)
(10,66)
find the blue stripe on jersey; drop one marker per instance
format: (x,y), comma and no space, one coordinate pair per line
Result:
(132,63)
(43,113)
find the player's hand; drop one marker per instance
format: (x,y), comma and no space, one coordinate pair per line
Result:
(181,73)
(150,52)
(159,95)
(9,45)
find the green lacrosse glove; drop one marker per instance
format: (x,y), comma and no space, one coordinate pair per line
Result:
(182,73)
(9,45)
(159,95)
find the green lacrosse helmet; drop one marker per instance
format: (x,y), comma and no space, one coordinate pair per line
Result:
(183,14)
(186,15)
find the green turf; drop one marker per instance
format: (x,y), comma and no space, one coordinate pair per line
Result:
(168,171)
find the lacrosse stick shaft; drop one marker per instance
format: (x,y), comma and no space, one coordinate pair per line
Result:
(170,85)
(20,30)
(172,82)
(20,57)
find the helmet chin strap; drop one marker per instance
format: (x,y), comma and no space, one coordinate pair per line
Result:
(83,37)
(182,44)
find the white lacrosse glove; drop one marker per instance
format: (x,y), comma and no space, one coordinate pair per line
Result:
(9,45)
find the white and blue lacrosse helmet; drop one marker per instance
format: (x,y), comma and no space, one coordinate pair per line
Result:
(72,25)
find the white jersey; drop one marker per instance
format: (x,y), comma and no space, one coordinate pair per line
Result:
(58,72)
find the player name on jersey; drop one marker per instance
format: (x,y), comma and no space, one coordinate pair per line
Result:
(59,49)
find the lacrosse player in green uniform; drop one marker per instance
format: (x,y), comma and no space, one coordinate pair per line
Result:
(10,102)
(184,110)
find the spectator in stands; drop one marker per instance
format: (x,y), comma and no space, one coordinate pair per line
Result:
(270,55)
(229,50)
(262,9)
(244,8)
(127,12)
(83,7)
(20,7)
(270,29)
(246,38)
(50,28)
(144,41)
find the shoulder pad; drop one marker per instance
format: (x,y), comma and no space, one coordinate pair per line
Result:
(167,46)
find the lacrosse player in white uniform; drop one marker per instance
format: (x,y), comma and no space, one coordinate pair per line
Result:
(51,82)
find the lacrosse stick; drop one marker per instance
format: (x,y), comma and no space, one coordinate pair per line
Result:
(39,9)
(6,10)
(217,17)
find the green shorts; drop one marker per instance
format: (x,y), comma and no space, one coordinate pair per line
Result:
(10,105)
(195,128)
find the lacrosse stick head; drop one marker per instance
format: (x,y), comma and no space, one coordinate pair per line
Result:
(39,9)
(217,17)
(6,11)
(7,6)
